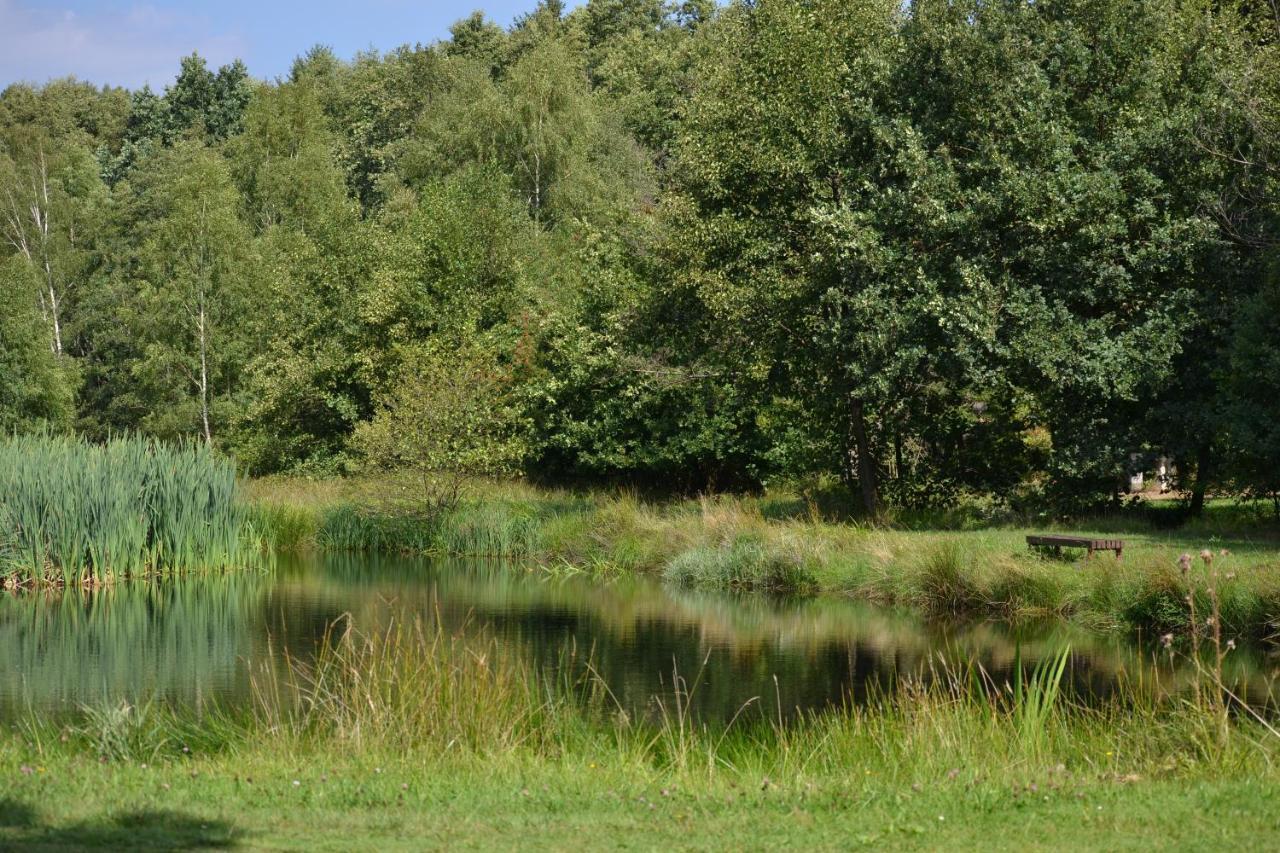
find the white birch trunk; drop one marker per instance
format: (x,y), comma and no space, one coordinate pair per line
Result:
(204,374)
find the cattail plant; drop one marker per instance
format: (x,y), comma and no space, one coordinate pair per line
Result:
(76,513)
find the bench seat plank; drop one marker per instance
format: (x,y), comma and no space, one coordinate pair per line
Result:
(1058,542)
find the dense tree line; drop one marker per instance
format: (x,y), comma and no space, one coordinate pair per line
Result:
(931,249)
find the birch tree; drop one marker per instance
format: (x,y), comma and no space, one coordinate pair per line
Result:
(47,194)
(563,146)
(197,262)
(36,388)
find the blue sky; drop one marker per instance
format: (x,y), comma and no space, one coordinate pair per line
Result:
(131,43)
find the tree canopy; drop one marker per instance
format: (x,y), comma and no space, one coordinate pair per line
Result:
(926,250)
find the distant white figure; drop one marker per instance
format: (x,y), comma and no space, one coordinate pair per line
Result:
(1135,473)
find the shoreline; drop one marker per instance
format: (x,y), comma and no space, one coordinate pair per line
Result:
(745,543)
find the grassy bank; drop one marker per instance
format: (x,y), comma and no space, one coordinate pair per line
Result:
(388,802)
(419,738)
(942,565)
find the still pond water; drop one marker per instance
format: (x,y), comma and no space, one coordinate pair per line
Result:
(195,641)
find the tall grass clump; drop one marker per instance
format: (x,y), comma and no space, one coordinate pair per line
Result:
(283,527)
(489,530)
(945,582)
(417,685)
(77,513)
(744,562)
(348,527)
(1035,698)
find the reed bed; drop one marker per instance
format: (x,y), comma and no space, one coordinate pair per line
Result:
(419,691)
(75,513)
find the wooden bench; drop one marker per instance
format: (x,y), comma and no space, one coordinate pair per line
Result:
(1057,543)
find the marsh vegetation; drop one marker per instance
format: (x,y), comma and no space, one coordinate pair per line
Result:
(76,514)
(737,347)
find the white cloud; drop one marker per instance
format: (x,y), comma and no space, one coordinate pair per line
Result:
(129,46)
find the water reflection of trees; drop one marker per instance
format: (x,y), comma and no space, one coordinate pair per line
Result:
(796,653)
(191,640)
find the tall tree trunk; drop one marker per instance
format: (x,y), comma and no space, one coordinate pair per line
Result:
(204,376)
(1204,461)
(868,488)
(40,218)
(53,312)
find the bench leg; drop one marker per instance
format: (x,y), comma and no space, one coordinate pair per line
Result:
(1118,551)
(1089,556)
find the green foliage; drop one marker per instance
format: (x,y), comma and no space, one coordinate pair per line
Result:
(1252,413)
(201,104)
(74,513)
(562,147)
(196,272)
(938,252)
(448,417)
(453,266)
(37,389)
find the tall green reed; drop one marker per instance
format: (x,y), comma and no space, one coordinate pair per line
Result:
(419,688)
(1035,697)
(74,513)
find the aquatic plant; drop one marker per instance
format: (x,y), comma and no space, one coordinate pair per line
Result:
(1035,697)
(76,513)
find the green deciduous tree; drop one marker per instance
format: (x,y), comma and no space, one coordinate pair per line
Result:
(37,388)
(49,199)
(197,268)
(306,384)
(1251,414)
(563,147)
(448,416)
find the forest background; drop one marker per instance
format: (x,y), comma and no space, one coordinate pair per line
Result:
(1003,254)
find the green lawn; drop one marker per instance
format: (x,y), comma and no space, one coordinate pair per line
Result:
(273,803)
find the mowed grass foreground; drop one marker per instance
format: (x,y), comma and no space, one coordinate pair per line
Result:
(416,738)
(938,565)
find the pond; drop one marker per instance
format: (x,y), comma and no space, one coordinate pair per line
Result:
(195,641)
